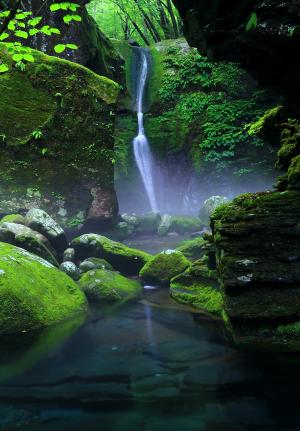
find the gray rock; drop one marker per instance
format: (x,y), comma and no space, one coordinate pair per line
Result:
(93,263)
(27,238)
(210,205)
(69,255)
(40,221)
(70,269)
(165,225)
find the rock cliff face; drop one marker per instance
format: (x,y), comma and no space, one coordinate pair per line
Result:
(57,144)
(219,28)
(257,235)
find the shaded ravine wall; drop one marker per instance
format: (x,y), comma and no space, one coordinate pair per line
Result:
(257,236)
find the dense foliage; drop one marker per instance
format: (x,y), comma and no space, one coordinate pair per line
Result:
(145,21)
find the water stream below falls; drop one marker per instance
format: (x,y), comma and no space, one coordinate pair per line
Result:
(151,365)
(142,151)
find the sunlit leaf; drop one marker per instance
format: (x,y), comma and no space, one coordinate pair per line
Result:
(59,48)
(3,68)
(22,34)
(17,57)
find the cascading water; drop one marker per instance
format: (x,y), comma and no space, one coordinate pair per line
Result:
(142,152)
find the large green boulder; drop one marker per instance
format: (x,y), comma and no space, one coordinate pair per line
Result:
(30,240)
(127,260)
(185,224)
(103,286)
(33,293)
(163,267)
(55,155)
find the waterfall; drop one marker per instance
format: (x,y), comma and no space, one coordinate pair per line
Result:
(142,152)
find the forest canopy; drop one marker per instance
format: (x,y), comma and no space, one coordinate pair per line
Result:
(145,21)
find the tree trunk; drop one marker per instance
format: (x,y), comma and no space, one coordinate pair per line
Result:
(173,19)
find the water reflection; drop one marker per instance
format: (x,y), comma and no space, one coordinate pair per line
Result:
(142,367)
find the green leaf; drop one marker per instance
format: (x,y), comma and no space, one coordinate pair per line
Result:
(3,68)
(54,7)
(22,34)
(59,48)
(54,30)
(21,15)
(33,31)
(34,21)
(29,57)
(11,25)
(252,23)
(74,6)
(17,57)
(68,18)
(4,14)
(4,36)
(71,46)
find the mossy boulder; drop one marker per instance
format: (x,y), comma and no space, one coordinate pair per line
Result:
(185,224)
(33,293)
(30,240)
(103,286)
(193,249)
(148,224)
(55,155)
(127,260)
(198,286)
(13,218)
(93,263)
(70,269)
(163,267)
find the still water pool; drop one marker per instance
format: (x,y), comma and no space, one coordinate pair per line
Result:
(151,365)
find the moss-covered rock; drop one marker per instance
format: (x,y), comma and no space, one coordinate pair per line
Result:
(192,249)
(55,155)
(294,174)
(103,286)
(124,259)
(200,292)
(185,224)
(32,241)
(163,267)
(41,222)
(93,263)
(33,293)
(13,218)
(70,269)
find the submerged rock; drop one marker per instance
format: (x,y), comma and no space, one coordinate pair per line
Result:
(127,260)
(71,269)
(94,263)
(33,293)
(210,206)
(163,267)
(30,240)
(103,286)
(41,222)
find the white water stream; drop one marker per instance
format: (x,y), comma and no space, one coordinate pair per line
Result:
(142,152)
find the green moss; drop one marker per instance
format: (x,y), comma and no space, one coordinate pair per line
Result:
(48,97)
(290,329)
(294,174)
(13,218)
(199,292)
(192,249)
(33,293)
(257,127)
(104,286)
(127,260)
(182,224)
(163,267)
